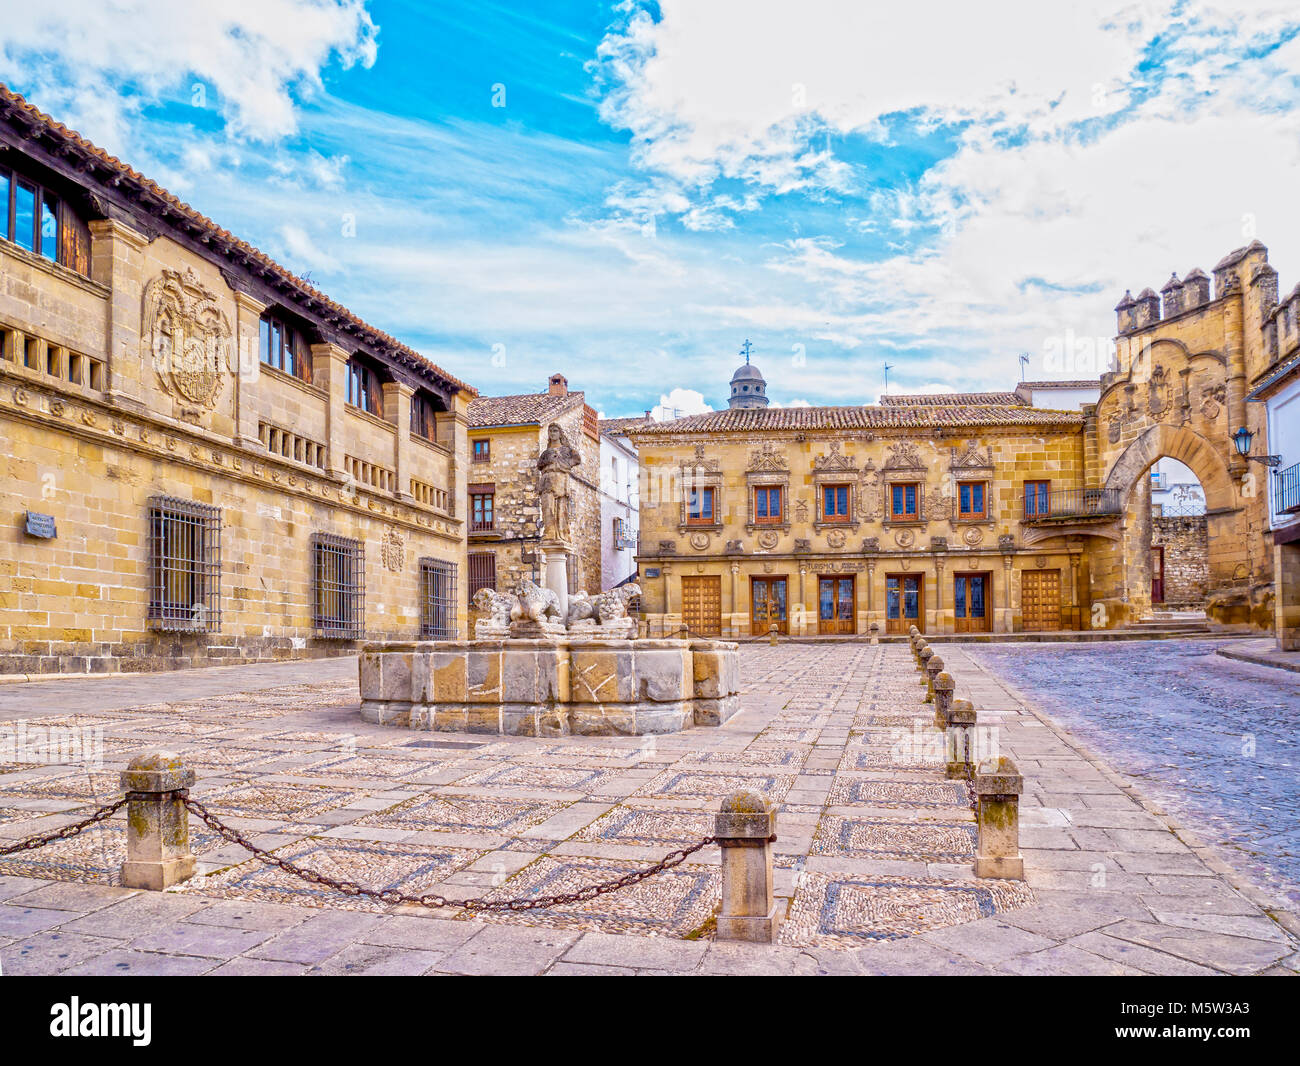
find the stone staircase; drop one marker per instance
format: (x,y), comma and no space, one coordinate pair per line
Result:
(1172,624)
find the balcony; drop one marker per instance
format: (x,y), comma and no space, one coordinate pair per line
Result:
(1071,505)
(1286,490)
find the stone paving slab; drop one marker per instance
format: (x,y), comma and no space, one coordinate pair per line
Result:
(873,854)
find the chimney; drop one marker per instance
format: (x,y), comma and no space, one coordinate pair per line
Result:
(558,385)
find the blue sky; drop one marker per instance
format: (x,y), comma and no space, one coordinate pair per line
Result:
(625,192)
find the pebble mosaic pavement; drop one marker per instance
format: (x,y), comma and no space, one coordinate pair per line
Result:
(873,854)
(510,816)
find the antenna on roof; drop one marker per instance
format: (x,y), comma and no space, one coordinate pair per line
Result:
(745,349)
(1024,362)
(888,368)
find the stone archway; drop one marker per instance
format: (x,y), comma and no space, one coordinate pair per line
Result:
(1231,569)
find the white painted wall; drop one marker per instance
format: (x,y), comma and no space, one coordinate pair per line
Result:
(619,478)
(1283,439)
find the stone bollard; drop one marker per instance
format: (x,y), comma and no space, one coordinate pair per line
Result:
(932,670)
(961,729)
(923,660)
(912,631)
(771,633)
(157,823)
(745,826)
(998,785)
(944,687)
(875,632)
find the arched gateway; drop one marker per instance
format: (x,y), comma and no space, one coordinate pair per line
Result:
(1179,392)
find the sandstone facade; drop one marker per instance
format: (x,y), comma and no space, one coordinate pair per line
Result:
(186,480)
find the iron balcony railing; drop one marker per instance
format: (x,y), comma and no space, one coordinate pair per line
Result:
(1054,504)
(1286,490)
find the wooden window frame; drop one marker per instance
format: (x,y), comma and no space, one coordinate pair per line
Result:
(836,519)
(478,525)
(903,516)
(68,245)
(424,421)
(1047,503)
(486,455)
(770,519)
(284,348)
(701,519)
(363,384)
(983,512)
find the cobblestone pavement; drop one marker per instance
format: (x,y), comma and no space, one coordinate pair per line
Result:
(1214,742)
(873,855)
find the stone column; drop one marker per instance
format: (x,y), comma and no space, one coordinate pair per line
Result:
(329,370)
(555,572)
(735,592)
(998,785)
(157,823)
(246,367)
(397,407)
(117,261)
(745,827)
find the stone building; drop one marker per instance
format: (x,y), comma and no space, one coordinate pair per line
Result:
(506,435)
(1184,360)
(620,515)
(935,511)
(1277,389)
(204,458)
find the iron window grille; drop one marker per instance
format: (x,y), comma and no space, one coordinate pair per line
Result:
(338,587)
(482,571)
(184,565)
(437,600)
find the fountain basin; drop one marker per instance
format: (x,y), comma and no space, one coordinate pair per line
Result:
(552,686)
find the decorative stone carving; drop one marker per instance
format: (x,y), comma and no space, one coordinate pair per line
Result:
(938,544)
(534,604)
(801,511)
(187,336)
(766,458)
(768,539)
(834,461)
(735,547)
(558,458)
(1159,391)
(836,538)
(1212,399)
(938,506)
(972,535)
(700,541)
(904,538)
(972,460)
(802,545)
(393,551)
(667,547)
(497,607)
(1007,542)
(607,608)
(871,544)
(903,456)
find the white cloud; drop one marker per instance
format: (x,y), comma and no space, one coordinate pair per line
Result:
(678,404)
(96,64)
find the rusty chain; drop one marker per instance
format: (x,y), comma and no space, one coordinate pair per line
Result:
(107,811)
(432,899)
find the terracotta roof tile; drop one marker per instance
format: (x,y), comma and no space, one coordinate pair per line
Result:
(618,426)
(947,399)
(222,239)
(912,416)
(1085,383)
(526,409)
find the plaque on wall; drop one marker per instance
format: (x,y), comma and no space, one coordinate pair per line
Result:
(41,525)
(651,571)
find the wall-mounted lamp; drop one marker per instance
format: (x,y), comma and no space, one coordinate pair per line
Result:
(1242,441)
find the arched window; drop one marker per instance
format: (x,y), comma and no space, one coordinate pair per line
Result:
(38,220)
(364,392)
(285,347)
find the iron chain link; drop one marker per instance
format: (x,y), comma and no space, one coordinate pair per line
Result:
(432,899)
(67,831)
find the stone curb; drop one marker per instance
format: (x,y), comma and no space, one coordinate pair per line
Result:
(1259,658)
(1287,920)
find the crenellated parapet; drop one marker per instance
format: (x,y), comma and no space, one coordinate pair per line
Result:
(1177,297)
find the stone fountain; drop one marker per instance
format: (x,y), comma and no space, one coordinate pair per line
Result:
(547,663)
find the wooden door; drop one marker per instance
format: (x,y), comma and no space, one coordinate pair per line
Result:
(702,605)
(1157,575)
(767,605)
(1040,600)
(836,605)
(904,603)
(971,603)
